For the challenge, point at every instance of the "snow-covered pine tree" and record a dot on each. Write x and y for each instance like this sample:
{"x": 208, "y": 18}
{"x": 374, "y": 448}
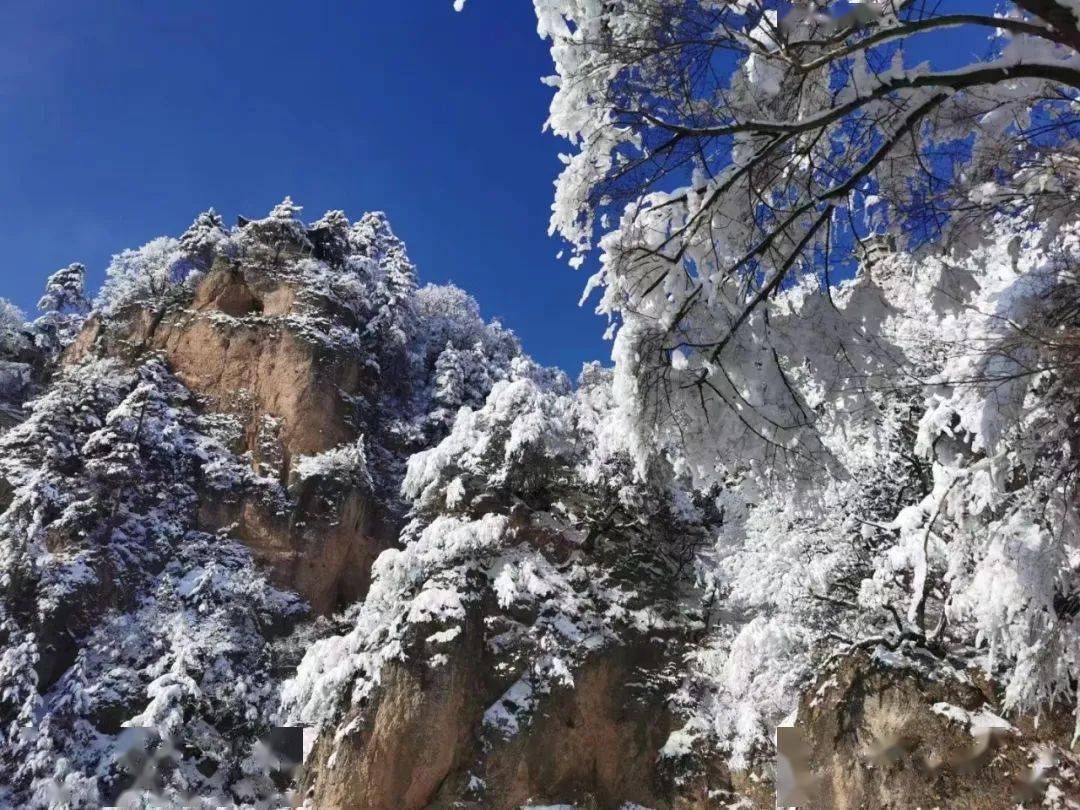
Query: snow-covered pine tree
{"x": 16, "y": 374}
{"x": 116, "y": 612}
{"x": 63, "y": 306}
{"x": 65, "y": 291}
{"x": 201, "y": 242}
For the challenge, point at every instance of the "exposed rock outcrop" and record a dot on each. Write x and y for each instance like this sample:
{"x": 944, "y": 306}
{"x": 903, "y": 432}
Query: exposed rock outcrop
{"x": 244, "y": 346}
{"x": 415, "y": 737}
{"x": 872, "y": 733}
{"x": 890, "y": 734}
{"x": 596, "y": 742}
{"x": 423, "y": 741}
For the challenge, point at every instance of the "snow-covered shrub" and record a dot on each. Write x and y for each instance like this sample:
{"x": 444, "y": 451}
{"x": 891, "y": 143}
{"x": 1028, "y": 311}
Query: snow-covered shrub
{"x": 345, "y": 465}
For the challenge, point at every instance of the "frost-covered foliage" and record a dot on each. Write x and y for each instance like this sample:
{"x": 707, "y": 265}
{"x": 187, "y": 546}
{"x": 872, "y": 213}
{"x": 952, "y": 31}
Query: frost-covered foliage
{"x": 786, "y": 585}
{"x": 529, "y": 523}
{"x": 63, "y": 306}
{"x": 204, "y": 239}
{"x": 163, "y": 270}
{"x": 15, "y": 373}
{"x": 141, "y": 276}
{"x": 952, "y": 529}
{"x": 896, "y": 451}
{"x": 466, "y": 355}
{"x": 997, "y": 539}
{"x": 12, "y": 326}
{"x": 15, "y": 333}
{"x": 115, "y": 613}
{"x": 65, "y": 291}
{"x": 28, "y": 351}
{"x": 723, "y": 152}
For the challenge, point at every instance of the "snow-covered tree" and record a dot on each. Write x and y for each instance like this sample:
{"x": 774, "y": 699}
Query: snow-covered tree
{"x": 465, "y": 354}
{"x": 116, "y": 614}
{"x": 16, "y": 339}
{"x": 142, "y": 276}
{"x": 330, "y": 235}
{"x": 529, "y": 511}
{"x": 723, "y": 150}
{"x": 203, "y": 239}
{"x": 372, "y": 238}
{"x": 286, "y": 211}
{"x": 65, "y": 291}
{"x": 63, "y": 306}
{"x": 12, "y": 328}
{"x": 275, "y": 241}
{"x": 994, "y": 544}
{"x": 950, "y": 540}
{"x": 449, "y": 379}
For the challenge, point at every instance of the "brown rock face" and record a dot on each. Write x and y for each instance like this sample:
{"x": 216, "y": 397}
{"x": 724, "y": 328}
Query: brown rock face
{"x": 419, "y": 735}
{"x": 876, "y": 740}
{"x": 240, "y": 347}
{"x": 323, "y": 553}
{"x": 267, "y": 371}
{"x": 422, "y": 743}
{"x": 875, "y": 737}
{"x": 595, "y": 742}
{"x": 237, "y": 347}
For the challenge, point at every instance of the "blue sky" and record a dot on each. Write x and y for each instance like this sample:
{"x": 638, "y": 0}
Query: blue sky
{"x": 122, "y": 120}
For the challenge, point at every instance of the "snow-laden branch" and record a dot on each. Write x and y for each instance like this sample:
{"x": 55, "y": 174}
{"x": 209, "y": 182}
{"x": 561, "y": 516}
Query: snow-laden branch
{"x": 962, "y": 79}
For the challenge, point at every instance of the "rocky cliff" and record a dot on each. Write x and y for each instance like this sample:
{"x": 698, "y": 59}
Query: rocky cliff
{"x": 244, "y": 347}
{"x": 271, "y": 481}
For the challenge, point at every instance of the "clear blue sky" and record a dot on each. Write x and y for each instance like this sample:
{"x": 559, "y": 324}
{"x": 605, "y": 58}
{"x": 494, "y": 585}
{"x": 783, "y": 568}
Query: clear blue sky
{"x": 122, "y": 120}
